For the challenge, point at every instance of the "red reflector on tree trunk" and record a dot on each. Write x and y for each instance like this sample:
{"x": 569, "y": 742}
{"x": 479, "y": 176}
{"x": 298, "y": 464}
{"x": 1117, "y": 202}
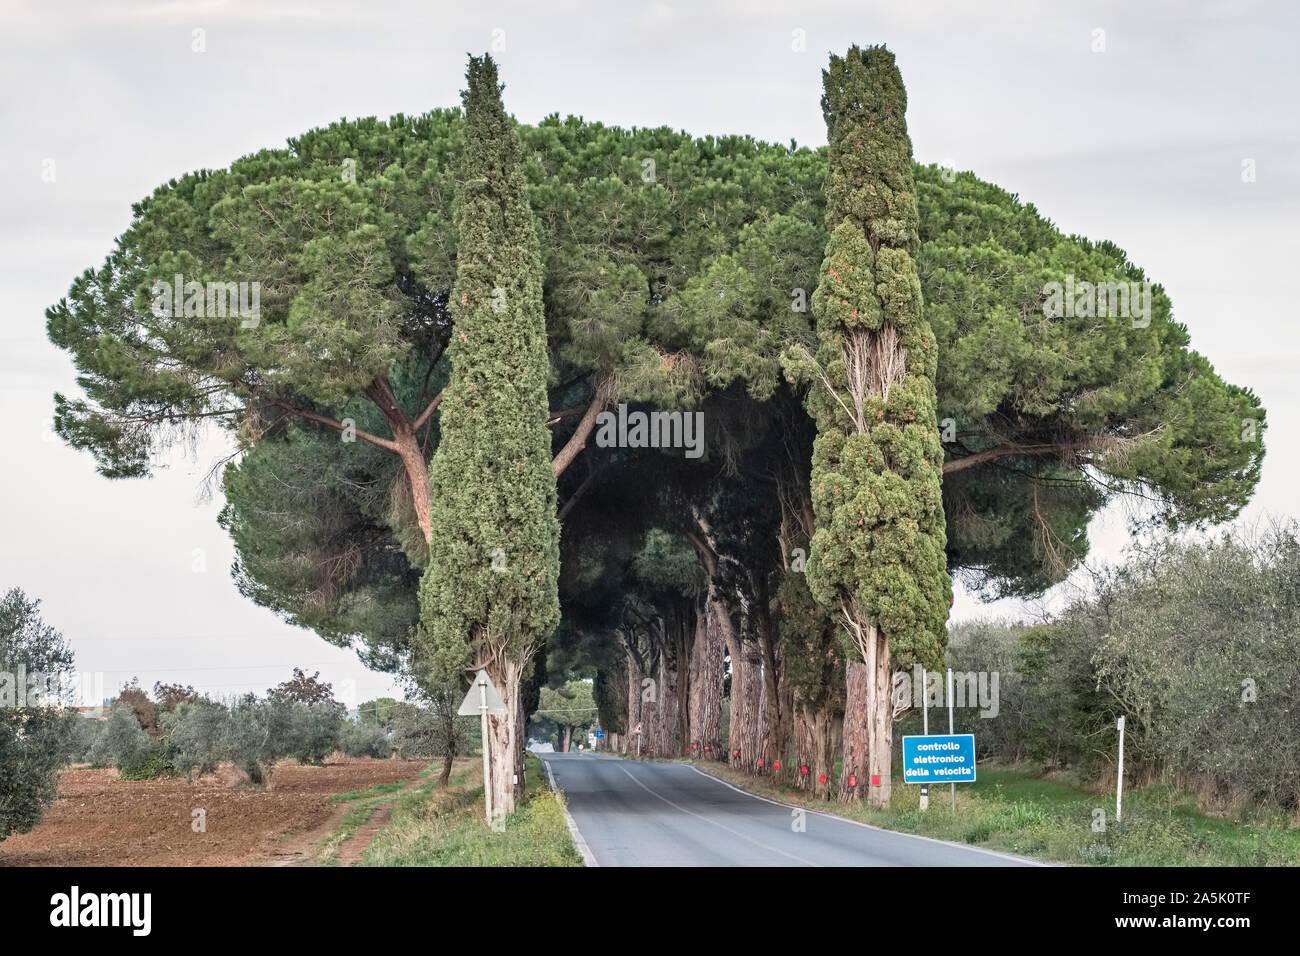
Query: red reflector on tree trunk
{"x": 853, "y": 781}
{"x": 760, "y": 763}
{"x": 776, "y": 765}
{"x": 822, "y": 778}
{"x": 875, "y": 779}
{"x": 803, "y": 770}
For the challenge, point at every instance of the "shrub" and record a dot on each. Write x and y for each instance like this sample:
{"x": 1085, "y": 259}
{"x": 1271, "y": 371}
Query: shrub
{"x": 86, "y": 733}
{"x": 151, "y": 767}
{"x": 123, "y": 743}
{"x": 35, "y": 741}
{"x": 312, "y": 731}
{"x": 365, "y": 740}
{"x": 251, "y": 744}
{"x": 197, "y": 735}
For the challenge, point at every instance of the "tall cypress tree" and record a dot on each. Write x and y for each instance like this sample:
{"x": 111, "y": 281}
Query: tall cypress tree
{"x": 877, "y": 555}
{"x": 489, "y": 596}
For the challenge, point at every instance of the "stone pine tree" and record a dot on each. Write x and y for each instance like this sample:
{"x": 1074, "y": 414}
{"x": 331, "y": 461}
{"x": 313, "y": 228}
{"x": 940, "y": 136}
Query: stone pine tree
{"x": 489, "y": 596}
{"x": 877, "y": 555}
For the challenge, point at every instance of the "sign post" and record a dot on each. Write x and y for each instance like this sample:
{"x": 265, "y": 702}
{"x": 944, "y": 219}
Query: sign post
{"x": 935, "y": 758}
{"x": 1119, "y": 777}
{"x": 925, "y": 729}
{"x": 954, "y": 786}
{"x": 483, "y": 699}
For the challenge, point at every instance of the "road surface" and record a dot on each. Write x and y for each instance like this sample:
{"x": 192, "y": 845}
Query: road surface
{"x": 669, "y": 814}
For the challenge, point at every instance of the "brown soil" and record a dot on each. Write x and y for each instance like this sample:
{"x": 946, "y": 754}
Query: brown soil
{"x": 101, "y": 820}
{"x": 353, "y": 849}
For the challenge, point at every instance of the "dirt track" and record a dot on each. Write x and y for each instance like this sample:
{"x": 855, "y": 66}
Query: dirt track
{"x": 100, "y": 820}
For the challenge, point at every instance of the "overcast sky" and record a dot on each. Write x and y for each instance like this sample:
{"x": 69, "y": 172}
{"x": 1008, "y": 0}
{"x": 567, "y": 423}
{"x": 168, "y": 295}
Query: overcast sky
{"x": 1141, "y": 143}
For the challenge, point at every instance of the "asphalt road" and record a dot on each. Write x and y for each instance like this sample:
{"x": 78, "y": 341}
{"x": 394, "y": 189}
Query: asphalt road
{"x": 669, "y": 814}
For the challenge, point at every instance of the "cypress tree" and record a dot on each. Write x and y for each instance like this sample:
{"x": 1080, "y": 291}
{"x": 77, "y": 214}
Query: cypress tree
{"x": 877, "y": 555}
{"x": 489, "y": 596}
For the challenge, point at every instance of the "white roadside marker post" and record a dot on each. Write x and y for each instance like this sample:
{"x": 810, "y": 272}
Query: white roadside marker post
{"x": 483, "y": 729}
{"x": 1119, "y": 777}
{"x": 489, "y": 702}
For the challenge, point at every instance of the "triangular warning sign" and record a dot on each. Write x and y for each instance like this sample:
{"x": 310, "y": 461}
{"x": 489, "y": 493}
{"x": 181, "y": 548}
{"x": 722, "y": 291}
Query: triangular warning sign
{"x": 482, "y": 691}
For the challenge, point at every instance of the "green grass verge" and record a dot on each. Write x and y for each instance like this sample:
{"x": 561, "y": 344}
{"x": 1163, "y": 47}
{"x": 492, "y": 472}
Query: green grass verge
{"x": 1014, "y": 809}
{"x": 433, "y": 826}
{"x": 377, "y": 790}
{"x": 353, "y": 820}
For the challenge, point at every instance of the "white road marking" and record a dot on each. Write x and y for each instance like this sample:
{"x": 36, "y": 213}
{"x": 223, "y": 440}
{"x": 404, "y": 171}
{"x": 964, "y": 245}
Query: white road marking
{"x": 720, "y": 826}
{"x": 856, "y": 823}
{"x": 579, "y": 842}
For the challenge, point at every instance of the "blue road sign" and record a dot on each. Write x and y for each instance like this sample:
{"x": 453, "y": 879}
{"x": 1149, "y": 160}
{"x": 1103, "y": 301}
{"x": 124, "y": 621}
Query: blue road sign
{"x": 939, "y": 758}
{"x": 600, "y": 734}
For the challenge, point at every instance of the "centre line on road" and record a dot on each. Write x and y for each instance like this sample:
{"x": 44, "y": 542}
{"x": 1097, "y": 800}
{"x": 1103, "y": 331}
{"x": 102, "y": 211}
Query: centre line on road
{"x": 720, "y": 826}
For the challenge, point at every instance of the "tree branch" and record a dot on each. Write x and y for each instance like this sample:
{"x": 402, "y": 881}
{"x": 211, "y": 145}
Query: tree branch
{"x": 1014, "y": 448}
{"x": 326, "y": 420}
{"x": 428, "y": 411}
{"x": 606, "y": 392}
{"x": 578, "y": 493}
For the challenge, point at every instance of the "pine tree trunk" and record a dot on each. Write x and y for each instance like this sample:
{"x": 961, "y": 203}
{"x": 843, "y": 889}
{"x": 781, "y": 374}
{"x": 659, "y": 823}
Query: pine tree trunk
{"x": 568, "y": 738}
{"x": 408, "y": 450}
{"x": 706, "y": 687}
{"x": 803, "y": 747}
{"x": 682, "y": 635}
{"x": 665, "y": 705}
{"x": 818, "y": 743}
{"x": 857, "y": 686}
{"x": 754, "y": 710}
{"x": 635, "y": 715}
{"x": 776, "y": 698}
{"x": 825, "y": 744}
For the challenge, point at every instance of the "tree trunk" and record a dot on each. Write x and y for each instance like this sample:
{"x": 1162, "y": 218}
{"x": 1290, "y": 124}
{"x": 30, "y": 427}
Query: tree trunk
{"x": 407, "y": 446}
{"x": 684, "y": 631}
{"x": 505, "y": 742}
{"x": 822, "y": 743}
{"x": 606, "y": 391}
{"x": 635, "y": 712}
{"x": 776, "y": 695}
{"x": 747, "y": 715}
{"x": 856, "y": 731}
{"x": 568, "y": 738}
{"x": 665, "y": 704}
{"x": 447, "y": 758}
{"x": 882, "y": 728}
{"x": 706, "y": 686}
{"x": 868, "y": 724}
{"x": 417, "y": 473}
